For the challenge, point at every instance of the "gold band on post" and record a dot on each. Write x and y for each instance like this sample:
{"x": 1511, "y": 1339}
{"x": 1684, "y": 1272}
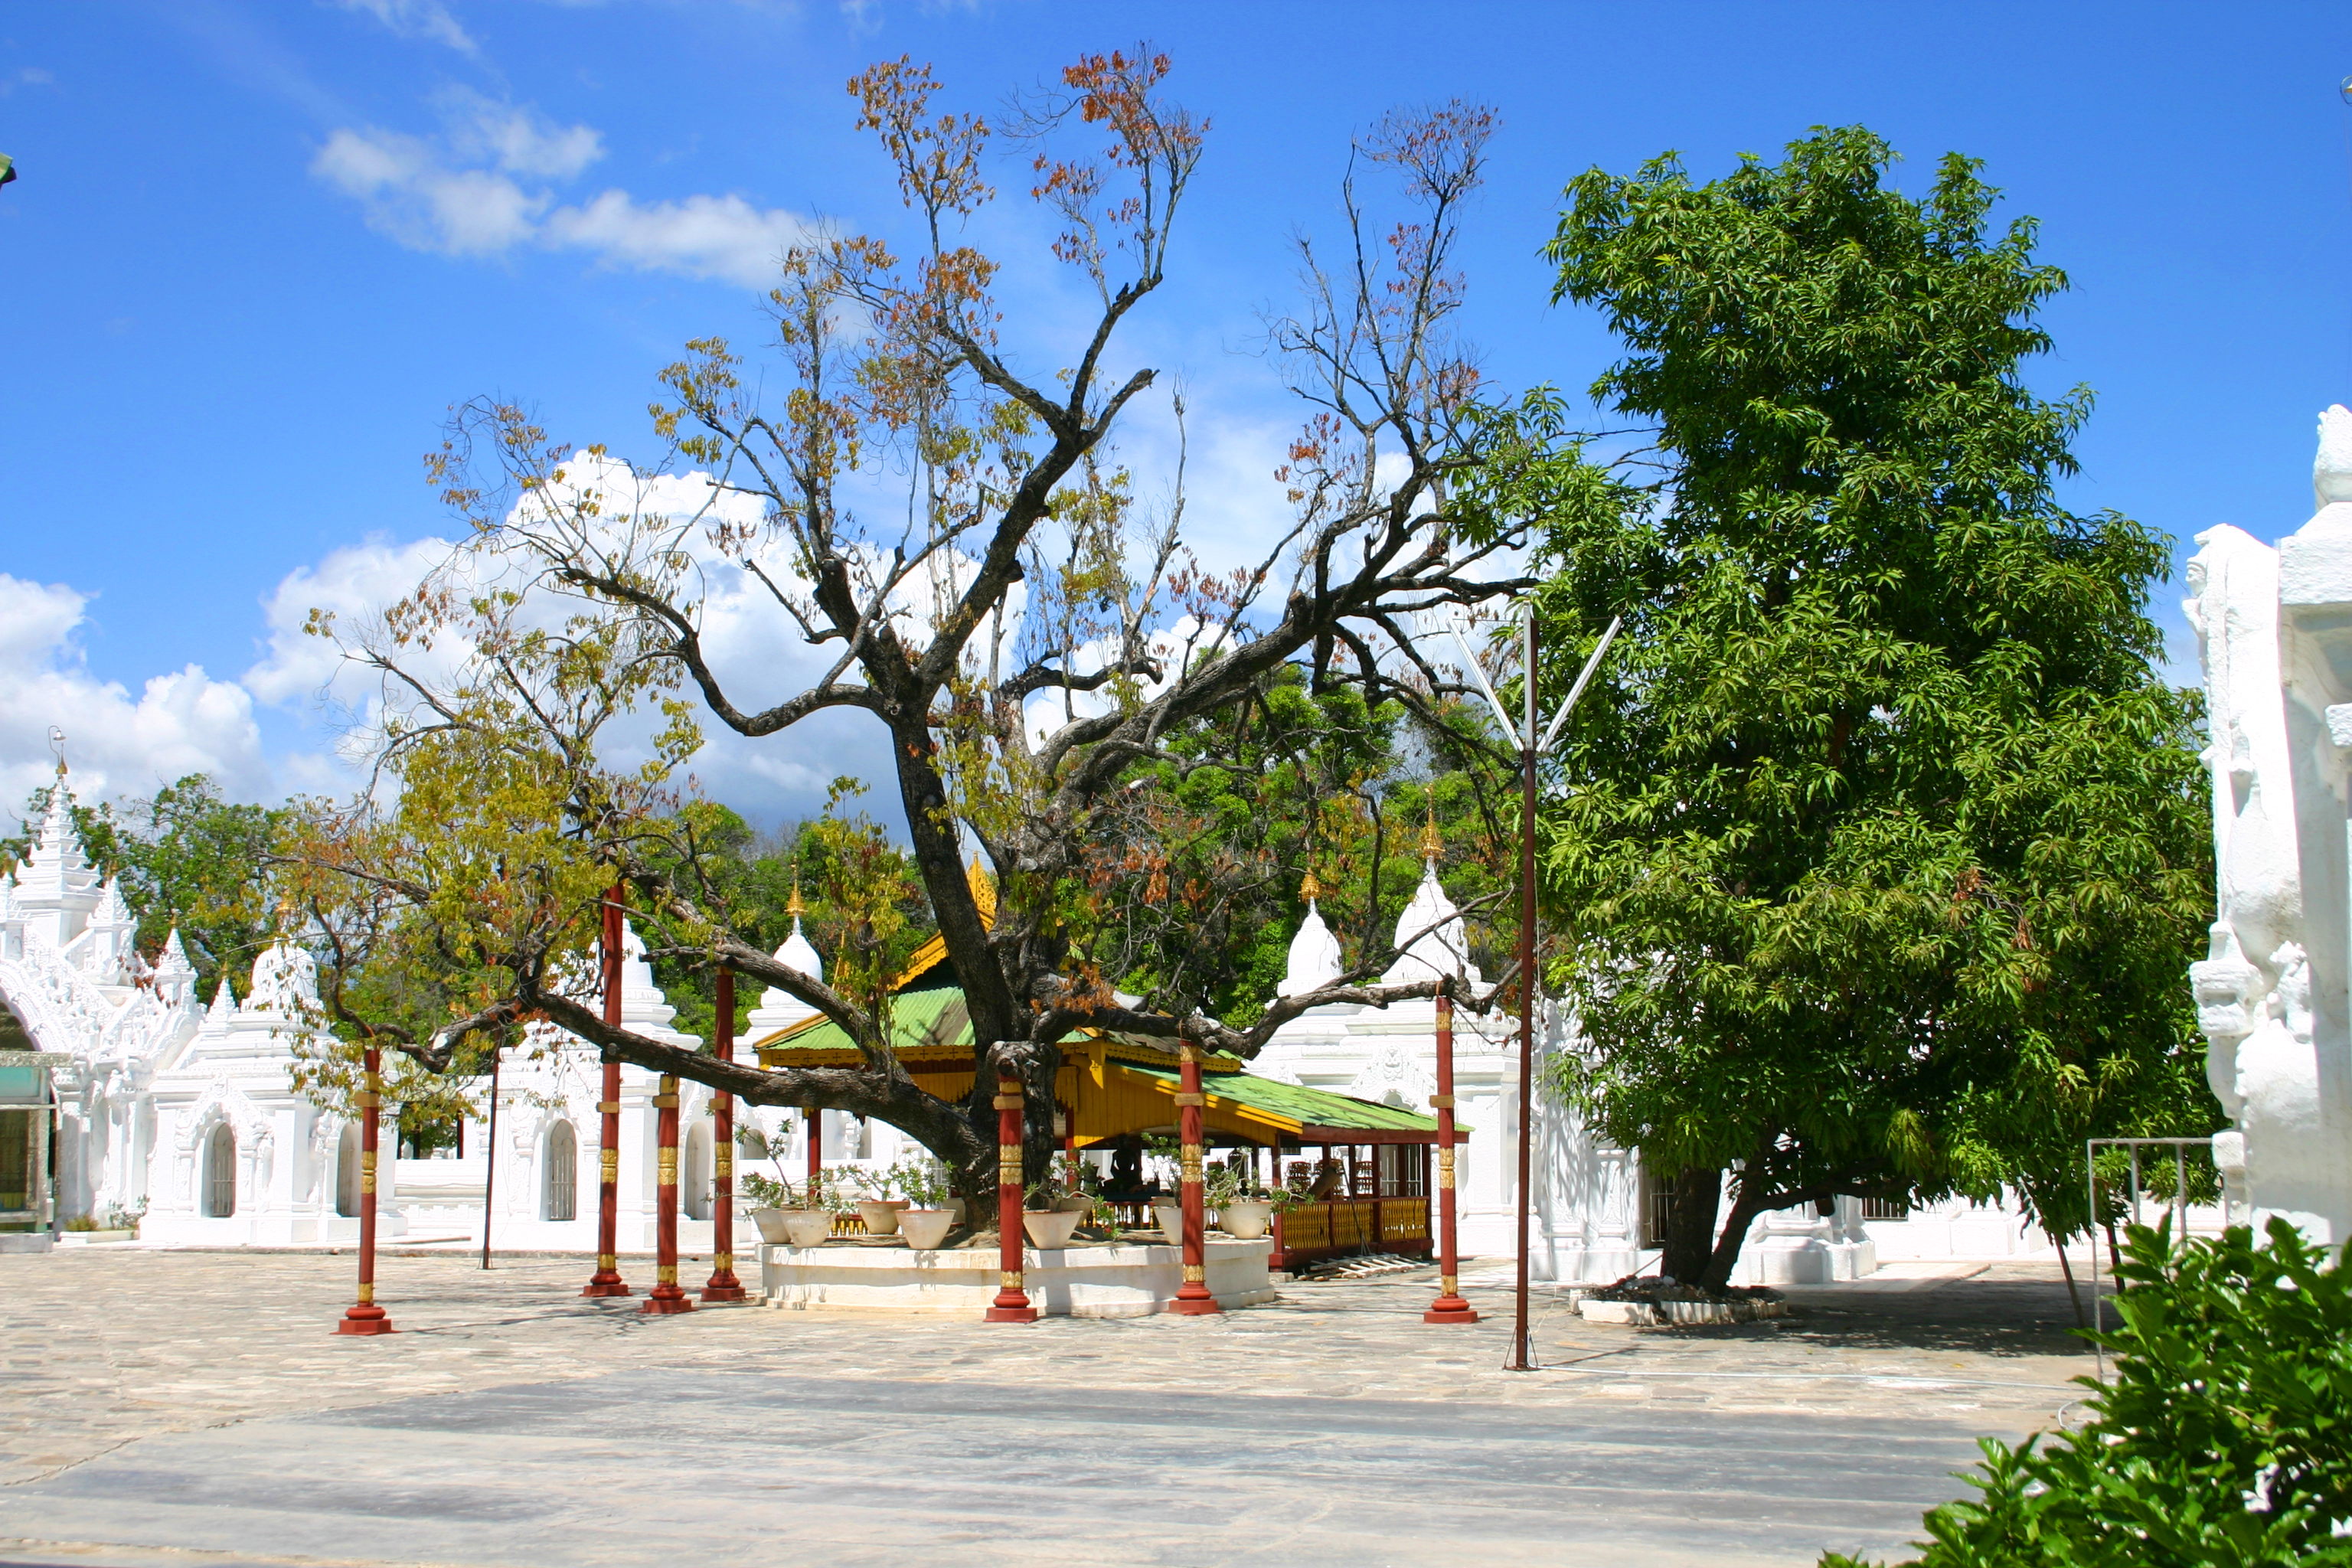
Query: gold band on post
{"x": 1441, "y": 1102}
{"x": 1010, "y": 1279}
{"x": 667, "y": 1168}
{"x": 1012, "y": 1102}
{"x": 1446, "y": 1168}
{"x": 722, "y": 1162}
{"x": 367, "y": 1295}
{"x": 1190, "y": 1098}
{"x": 1447, "y": 1284}
{"x": 667, "y": 1274}
{"x": 606, "y": 1260}
{"x": 1194, "y": 1273}
{"x": 723, "y": 1261}
{"x": 1192, "y": 1162}
{"x": 608, "y": 1108}
{"x": 610, "y": 1160}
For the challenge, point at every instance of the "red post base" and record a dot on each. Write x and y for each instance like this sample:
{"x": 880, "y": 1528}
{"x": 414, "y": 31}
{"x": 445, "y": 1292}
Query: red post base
{"x": 365, "y": 1319}
{"x": 1449, "y": 1309}
{"x": 1199, "y": 1306}
{"x": 605, "y": 1283}
{"x": 1011, "y": 1306}
{"x": 728, "y": 1288}
{"x": 666, "y": 1299}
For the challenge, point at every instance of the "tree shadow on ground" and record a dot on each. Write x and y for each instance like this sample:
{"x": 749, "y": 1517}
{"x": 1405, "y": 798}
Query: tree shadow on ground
{"x": 1980, "y": 1316}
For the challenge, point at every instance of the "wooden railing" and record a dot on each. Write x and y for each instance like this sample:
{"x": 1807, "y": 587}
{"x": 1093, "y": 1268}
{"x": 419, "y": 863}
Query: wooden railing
{"x": 1344, "y": 1228}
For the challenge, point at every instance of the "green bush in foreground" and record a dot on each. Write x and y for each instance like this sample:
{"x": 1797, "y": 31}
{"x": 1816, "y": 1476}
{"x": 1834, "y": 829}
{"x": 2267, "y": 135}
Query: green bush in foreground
{"x": 2224, "y": 1436}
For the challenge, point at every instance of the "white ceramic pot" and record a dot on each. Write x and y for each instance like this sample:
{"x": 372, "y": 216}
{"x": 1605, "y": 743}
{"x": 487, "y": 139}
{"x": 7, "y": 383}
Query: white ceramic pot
{"x": 1172, "y": 1218}
{"x": 1049, "y": 1228}
{"x": 807, "y": 1227}
{"x": 772, "y": 1225}
{"x": 926, "y": 1229}
{"x": 1246, "y": 1221}
{"x": 881, "y": 1216}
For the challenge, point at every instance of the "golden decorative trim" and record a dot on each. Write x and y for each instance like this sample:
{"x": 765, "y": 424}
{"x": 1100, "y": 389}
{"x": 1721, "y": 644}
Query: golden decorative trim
{"x": 1445, "y": 1169}
{"x": 610, "y": 1159}
{"x": 722, "y": 1163}
{"x": 1449, "y": 1284}
{"x": 1012, "y": 1102}
{"x": 367, "y": 1295}
{"x": 607, "y": 1261}
{"x": 1189, "y": 1100}
{"x": 665, "y": 1168}
{"x": 666, "y": 1102}
{"x": 1010, "y": 1279}
{"x": 1191, "y": 1163}
{"x": 1441, "y": 1102}
{"x": 608, "y": 1108}
{"x": 1310, "y": 888}
{"x": 722, "y": 1262}
{"x": 367, "y": 1183}
{"x": 667, "y": 1274}
{"x": 1194, "y": 1274}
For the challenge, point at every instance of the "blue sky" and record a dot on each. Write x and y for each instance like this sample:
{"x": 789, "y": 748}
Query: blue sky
{"x": 238, "y": 316}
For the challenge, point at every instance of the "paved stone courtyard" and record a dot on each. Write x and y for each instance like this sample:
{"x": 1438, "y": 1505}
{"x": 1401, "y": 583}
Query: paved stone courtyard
{"x": 186, "y": 1407}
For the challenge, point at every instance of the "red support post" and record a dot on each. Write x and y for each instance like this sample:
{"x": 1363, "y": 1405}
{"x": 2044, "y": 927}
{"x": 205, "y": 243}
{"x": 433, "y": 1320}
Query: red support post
{"x": 723, "y": 1285}
{"x": 1012, "y": 1304}
{"x": 1449, "y": 1306}
{"x": 816, "y": 1145}
{"x": 666, "y": 1296}
{"x": 606, "y": 1280}
{"x": 364, "y": 1317}
{"x": 1192, "y": 1298}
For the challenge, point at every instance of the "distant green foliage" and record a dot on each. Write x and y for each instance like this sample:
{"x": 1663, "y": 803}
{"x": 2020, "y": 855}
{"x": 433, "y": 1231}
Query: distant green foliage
{"x": 1196, "y": 893}
{"x": 2225, "y": 1436}
{"x": 1885, "y": 849}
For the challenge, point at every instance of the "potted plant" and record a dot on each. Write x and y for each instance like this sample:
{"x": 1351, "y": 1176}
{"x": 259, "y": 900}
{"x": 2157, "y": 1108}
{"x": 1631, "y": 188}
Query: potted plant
{"x": 787, "y": 1215}
{"x": 880, "y": 1205}
{"x": 1069, "y": 1176}
{"x": 1242, "y": 1212}
{"x": 1049, "y": 1225}
{"x": 926, "y": 1222}
{"x": 1168, "y": 1207}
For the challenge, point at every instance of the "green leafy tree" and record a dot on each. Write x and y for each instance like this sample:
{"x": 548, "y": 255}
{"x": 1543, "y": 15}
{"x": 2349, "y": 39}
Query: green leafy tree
{"x": 1884, "y": 848}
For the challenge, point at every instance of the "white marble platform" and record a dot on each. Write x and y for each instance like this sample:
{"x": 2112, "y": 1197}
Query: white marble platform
{"x": 1129, "y": 1281}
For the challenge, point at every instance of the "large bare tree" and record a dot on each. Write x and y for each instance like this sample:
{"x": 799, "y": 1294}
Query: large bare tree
{"x": 952, "y": 530}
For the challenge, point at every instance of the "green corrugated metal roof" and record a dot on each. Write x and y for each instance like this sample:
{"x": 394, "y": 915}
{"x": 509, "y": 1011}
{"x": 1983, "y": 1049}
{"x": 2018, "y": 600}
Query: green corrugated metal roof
{"x": 1310, "y": 1107}
{"x": 932, "y": 1016}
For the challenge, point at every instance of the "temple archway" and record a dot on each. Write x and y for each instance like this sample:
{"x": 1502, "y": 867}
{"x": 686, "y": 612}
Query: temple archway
{"x": 220, "y": 1172}
{"x": 693, "y": 1172}
{"x": 347, "y": 1172}
{"x": 560, "y": 1192}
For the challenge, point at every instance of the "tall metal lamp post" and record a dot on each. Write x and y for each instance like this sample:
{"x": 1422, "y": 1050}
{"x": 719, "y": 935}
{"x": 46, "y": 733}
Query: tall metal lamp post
{"x": 1533, "y": 744}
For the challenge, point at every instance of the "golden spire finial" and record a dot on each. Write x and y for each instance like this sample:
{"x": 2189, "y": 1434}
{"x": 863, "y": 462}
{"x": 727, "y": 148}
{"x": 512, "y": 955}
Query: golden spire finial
{"x": 792, "y": 906}
{"x": 1433, "y": 847}
{"x": 1310, "y": 888}
{"x": 983, "y": 888}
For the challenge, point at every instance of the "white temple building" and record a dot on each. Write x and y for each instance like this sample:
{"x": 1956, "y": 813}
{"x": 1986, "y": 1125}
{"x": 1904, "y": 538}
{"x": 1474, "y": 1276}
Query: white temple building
{"x": 2274, "y": 991}
{"x": 186, "y": 1116}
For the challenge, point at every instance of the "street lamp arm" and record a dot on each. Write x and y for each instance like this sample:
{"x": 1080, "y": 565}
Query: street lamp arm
{"x": 1577, "y": 691}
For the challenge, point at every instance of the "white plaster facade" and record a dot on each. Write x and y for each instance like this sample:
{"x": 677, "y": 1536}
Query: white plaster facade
{"x": 2275, "y": 627}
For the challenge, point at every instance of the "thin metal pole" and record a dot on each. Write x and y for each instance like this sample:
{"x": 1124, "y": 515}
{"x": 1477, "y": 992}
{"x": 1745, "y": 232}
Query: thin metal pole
{"x": 490, "y": 1156}
{"x": 1520, "y": 1360}
{"x": 2091, "y": 1235}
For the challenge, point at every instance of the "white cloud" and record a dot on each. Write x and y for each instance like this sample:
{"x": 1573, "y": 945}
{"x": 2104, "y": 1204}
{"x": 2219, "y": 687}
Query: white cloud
{"x": 427, "y": 19}
{"x": 180, "y": 723}
{"x": 724, "y": 238}
{"x": 476, "y": 189}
